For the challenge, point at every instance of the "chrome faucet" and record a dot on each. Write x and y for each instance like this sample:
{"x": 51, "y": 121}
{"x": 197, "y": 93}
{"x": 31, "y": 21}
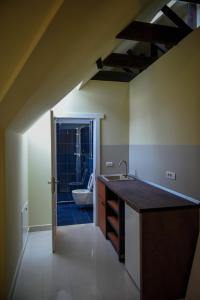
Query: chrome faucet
{"x": 124, "y": 162}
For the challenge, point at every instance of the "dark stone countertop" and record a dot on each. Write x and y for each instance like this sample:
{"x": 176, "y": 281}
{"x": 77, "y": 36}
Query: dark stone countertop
{"x": 144, "y": 197}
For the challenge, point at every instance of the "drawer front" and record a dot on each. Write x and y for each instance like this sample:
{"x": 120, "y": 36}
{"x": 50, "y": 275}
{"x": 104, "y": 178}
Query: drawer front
{"x": 101, "y": 189}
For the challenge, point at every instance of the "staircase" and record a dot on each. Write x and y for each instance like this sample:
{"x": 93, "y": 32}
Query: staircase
{"x": 152, "y": 39}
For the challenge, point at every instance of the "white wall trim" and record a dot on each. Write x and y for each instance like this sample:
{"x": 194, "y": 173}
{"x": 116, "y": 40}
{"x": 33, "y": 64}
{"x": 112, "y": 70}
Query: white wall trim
{"x": 96, "y": 117}
{"x": 96, "y": 168}
{"x": 170, "y": 191}
{"x": 24, "y": 206}
{"x": 14, "y": 281}
{"x": 80, "y": 115}
{"x": 40, "y": 227}
{"x": 24, "y": 210}
{"x": 72, "y": 121}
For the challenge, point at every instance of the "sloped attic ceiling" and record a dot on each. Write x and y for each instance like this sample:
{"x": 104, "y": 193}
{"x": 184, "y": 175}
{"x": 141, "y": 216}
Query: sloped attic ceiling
{"x": 73, "y": 36}
{"x": 22, "y": 24}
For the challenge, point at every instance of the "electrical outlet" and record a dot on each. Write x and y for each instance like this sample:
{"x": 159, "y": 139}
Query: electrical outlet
{"x": 109, "y": 164}
{"x": 170, "y": 175}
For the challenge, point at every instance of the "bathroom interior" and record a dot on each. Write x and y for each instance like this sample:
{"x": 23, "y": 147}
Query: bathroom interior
{"x": 74, "y": 152}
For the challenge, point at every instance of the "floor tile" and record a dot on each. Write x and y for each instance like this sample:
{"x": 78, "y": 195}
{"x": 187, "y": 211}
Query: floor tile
{"x": 71, "y": 214}
{"x": 84, "y": 267}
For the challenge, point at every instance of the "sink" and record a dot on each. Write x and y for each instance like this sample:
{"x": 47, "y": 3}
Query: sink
{"x": 116, "y": 177}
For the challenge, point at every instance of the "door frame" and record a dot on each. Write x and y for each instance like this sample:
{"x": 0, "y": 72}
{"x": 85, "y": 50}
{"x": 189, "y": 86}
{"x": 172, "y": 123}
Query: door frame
{"x": 96, "y": 117}
{"x": 53, "y": 180}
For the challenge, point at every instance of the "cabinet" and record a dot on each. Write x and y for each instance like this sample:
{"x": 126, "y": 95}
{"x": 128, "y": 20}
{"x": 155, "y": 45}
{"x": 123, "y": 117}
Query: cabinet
{"x": 111, "y": 218}
{"x": 101, "y": 206}
{"x": 159, "y": 250}
{"x": 115, "y": 222}
{"x": 154, "y": 232}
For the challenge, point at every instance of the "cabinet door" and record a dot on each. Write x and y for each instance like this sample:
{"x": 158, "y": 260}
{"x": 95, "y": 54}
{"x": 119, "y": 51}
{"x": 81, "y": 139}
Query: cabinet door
{"x": 102, "y": 214}
{"x": 132, "y": 243}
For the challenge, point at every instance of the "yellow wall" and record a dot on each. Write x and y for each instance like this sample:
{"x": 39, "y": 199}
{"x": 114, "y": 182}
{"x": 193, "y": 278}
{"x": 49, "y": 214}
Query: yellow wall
{"x": 2, "y": 216}
{"x": 39, "y": 171}
{"x": 165, "y": 99}
{"x": 16, "y": 197}
{"x": 13, "y": 195}
{"x": 22, "y": 25}
{"x": 164, "y": 119}
{"x": 77, "y": 36}
{"x": 110, "y": 98}
{"x": 95, "y": 97}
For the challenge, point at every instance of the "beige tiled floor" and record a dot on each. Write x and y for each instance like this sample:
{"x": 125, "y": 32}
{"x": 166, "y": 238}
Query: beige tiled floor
{"x": 85, "y": 267}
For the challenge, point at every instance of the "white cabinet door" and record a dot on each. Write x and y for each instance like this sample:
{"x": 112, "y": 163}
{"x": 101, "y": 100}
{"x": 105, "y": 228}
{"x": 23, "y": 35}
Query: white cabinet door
{"x": 132, "y": 243}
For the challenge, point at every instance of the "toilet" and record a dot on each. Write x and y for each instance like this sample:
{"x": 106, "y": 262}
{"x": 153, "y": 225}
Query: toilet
{"x": 84, "y": 196}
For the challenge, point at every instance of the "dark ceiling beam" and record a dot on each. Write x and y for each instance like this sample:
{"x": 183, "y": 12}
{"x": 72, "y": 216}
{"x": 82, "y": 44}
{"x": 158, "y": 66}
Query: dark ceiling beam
{"x": 128, "y": 61}
{"x": 130, "y": 52}
{"x": 191, "y": 1}
{"x": 99, "y": 63}
{"x": 114, "y": 76}
{"x": 127, "y": 70}
{"x": 153, "y": 33}
{"x": 175, "y": 18}
{"x": 161, "y": 48}
{"x": 154, "y": 51}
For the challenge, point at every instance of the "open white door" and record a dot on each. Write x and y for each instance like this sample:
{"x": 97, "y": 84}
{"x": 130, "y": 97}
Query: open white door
{"x": 53, "y": 181}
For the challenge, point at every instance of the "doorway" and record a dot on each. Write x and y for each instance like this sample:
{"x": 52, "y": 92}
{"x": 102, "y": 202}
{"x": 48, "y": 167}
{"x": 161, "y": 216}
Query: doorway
{"x": 74, "y": 157}
{"x": 95, "y": 118}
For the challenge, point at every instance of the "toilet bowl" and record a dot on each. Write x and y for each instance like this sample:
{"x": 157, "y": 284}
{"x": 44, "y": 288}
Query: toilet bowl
{"x": 84, "y": 196}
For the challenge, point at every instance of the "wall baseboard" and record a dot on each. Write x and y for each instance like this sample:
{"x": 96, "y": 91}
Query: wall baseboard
{"x": 14, "y": 281}
{"x": 40, "y": 227}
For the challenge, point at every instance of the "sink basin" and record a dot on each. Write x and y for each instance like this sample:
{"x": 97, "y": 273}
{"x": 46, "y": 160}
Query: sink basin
{"x": 116, "y": 177}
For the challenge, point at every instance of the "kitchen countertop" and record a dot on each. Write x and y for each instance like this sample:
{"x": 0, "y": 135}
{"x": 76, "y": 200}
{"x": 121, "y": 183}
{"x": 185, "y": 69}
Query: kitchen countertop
{"x": 145, "y": 197}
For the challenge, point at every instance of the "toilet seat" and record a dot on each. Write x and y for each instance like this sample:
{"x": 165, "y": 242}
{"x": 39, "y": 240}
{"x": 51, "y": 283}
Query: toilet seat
{"x": 81, "y": 191}
{"x": 84, "y": 196}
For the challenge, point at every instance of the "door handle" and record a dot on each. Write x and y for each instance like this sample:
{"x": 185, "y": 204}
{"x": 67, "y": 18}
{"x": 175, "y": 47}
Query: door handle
{"x": 53, "y": 183}
{"x": 56, "y": 181}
